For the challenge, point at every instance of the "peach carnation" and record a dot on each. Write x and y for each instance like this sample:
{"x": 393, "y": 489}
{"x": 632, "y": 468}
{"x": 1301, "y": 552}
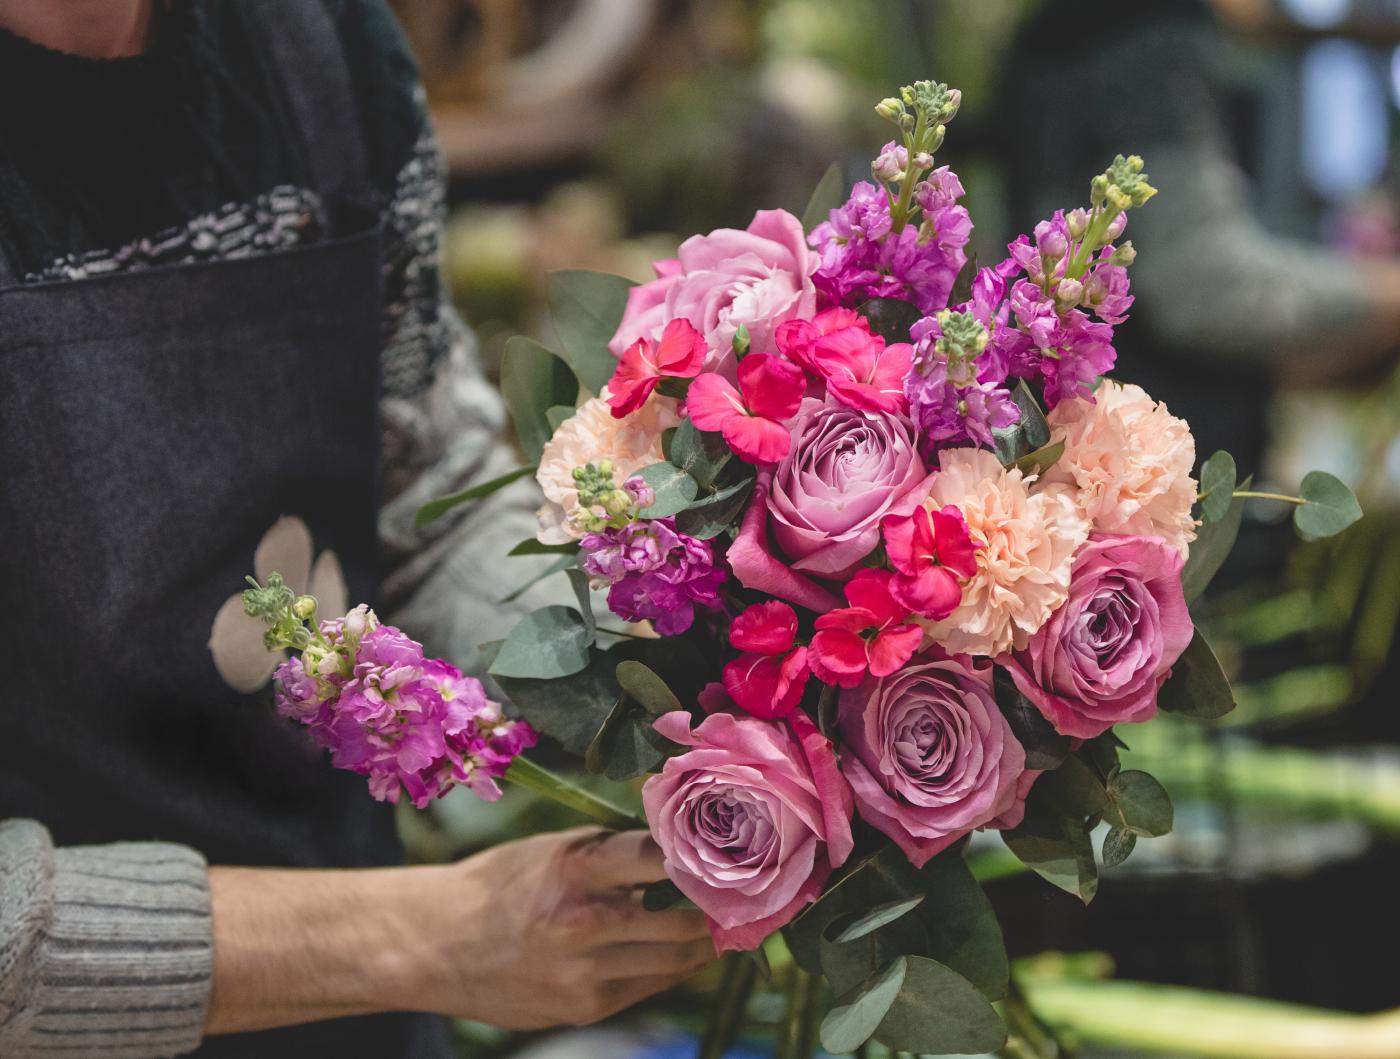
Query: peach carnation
{"x": 590, "y": 436}
{"x": 1025, "y": 544}
{"x": 1128, "y": 462}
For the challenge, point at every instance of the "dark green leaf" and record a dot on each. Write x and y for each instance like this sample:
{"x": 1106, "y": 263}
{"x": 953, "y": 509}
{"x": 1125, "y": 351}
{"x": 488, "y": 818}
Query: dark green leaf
{"x": 547, "y": 643}
{"x": 760, "y": 961}
{"x": 856, "y": 1016}
{"x": 962, "y": 928}
{"x": 622, "y": 748}
{"x": 562, "y": 562}
{"x": 1072, "y": 789}
{"x": 661, "y": 895}
{"x": 1045, "y": 748}
{"x": 587, "y": 307}
{"x": 1198, "y": 686}
{"x": 443, "y": 504}
{"x": 880, "y": 878}
{"x": 701, "y": 454}
{"x": 647, "y": 688}
{"x": 1101, "y": 754}
{"x": 712, "y": 515}
{"x": 1211, "y": 547}
{"x": 1217, "y": 489}
{"x": 890, "y": 318}
{"x": 1117, "y": 846}
{"x": 962, "y": 285}
{"x": 530, "y": 546}
{"x": 1140, "y": 804}
{"x": 1031, "y": 432}
{"x": 557, "y": 415}
{"x": 829, "y": 193}
{"x": 848, "y": 928}
{"x": 827, "y": 702}
{"x": 1041, "y": 460}
{"x": 671, "y": 386}
{"x": 937, "y": 1011}
{"x": 534, "y": 380}
{"x": 1056, "y": 847}
{"x": 578, "y": 580}
{"x": 1330, "y": 506}
{"x": 674, "y": 489}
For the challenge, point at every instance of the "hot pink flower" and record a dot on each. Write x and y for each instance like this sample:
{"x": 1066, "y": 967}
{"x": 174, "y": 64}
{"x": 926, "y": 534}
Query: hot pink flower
{"x": 872, "y": 635}
{"x": 932, "y": 553}
{"x": 752, "y": 819}
{"x": 767, "y": 680}
{"x": 860, "y": 370}
{"x": 680, "y": 354}
{"x": 751, "y": 417}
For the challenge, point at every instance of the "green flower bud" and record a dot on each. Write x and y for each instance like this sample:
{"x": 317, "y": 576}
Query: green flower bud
{"x": 304, "y": 607}
{"x": 741, "y": 341}
{"x": 1125, "y": 254}
{"x": 890, "y": 109}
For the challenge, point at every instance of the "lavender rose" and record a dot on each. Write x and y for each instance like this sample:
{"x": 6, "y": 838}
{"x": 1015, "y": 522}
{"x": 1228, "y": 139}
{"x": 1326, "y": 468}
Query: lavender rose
{"x": 752, "y": 819}
{"x": 846, "y": 471}
{"x": 1102, "y": 656}
{"x": 930, "y": 757}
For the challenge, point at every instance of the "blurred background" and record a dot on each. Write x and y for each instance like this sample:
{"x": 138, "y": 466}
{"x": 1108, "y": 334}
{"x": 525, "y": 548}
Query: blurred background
{"x": 595, "y": 133}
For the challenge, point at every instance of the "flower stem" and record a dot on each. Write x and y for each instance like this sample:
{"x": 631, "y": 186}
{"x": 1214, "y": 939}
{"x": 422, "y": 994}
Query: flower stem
{"x": 1029, "y": 1037}
{"x": 797, "y": 1037}
{"x": 527, "y": 774}
{"x": 1281, "y": 497}
{"x": 739, "y": 974}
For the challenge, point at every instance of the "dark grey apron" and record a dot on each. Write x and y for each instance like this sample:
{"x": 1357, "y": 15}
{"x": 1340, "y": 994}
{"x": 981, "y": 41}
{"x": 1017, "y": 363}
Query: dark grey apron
{"x": 153, "y": 426}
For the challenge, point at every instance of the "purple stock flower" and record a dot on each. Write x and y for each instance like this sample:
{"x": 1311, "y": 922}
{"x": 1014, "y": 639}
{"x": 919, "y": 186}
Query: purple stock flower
{"x": 655, "y": 574}
{"x": 961, "y": 397}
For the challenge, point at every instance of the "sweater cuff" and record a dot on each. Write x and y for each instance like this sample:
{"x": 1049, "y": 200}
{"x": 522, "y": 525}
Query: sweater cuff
{"x": 127, "y": 960}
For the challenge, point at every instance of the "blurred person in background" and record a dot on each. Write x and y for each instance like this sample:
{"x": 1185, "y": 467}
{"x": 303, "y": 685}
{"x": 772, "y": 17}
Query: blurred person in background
{"x": 1219, "y": 297}
{"x": 223, "y": 337}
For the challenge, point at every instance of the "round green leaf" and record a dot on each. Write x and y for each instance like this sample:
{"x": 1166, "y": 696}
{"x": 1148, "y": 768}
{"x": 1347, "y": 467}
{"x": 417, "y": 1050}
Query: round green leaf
{"x": 856, "y": 1016}
{"x": 534, "y": 380}
{"x": 1329, "y": 506}
{"x": 1218, "y": 477}
{"x": 850, "y": 928}
{"x": 673, "y": 487}
{"x": 547, "y": 643}
{"x": 645, "y": 686}
{"x": 1140, "y": 804}
{"x": 1198, "y": 686}
{"x": 1117, "y": 845}
{"x": 587, "y": 307}
{"x": 938, "y": 1011}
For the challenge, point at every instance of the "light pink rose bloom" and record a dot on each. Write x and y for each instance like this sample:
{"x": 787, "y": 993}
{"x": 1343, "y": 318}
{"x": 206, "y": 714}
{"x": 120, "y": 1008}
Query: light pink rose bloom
{"x": 930, "y": 756}
{"x": 752, "y": 819}
{"x": 1101, "y": 658}
{"x": 758, "y": 277}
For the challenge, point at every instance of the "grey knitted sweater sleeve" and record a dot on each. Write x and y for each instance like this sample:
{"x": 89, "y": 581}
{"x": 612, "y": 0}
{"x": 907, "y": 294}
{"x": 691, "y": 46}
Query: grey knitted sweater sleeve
{"x": 104, "y": 950}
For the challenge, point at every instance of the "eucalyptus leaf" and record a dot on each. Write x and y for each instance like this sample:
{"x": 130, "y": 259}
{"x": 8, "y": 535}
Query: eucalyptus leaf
{"x": 534, "y": 380}
{"x": 1140, "y": 804}
{"x": 1045, "y": 748}
{"x": 587, "y": 308}
{"x": 1072, "y": 789}
{"x": 1329, "y": 506}
{"x": 530, "y": 546}
{"x": 437, "y": 508}
{"x": 1211, "y": 548}
{"x": 938, "y": 1012}
{"x": 962, "y": 929}
{"x": 647, "y": 688}
{"x": 1118, "y": 845}
{"x": 1030, "y": 432}
{"x": 829, "y": 193}
{"x": 673, "y": 487}
{"x": 849, "y": 929}
{"x": 891, "y": 318}
{"x": 855, "y": 1016}
{"x": 701, "y": 454}
{"x": 578, "y": 580}
{"x": 1041, "y": 460}
{"x": 1217, "y": 489}
{"x": 1197, "y": 686}
{"x": 558, "y": 415}
{"x": 712, "y": 515}
{"x": 546, "y": 644}
{"x": 562, "y": 562}
{"x": 1056, "y": 847}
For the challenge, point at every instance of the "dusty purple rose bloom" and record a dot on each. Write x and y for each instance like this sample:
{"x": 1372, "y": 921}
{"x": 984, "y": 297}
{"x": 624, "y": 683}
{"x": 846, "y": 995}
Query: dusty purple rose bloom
{"x": 845, "y": 472}
{"x": 655, "y": 574}
{"x": 1102, "y": 656}
{"x": 930, "y": 756}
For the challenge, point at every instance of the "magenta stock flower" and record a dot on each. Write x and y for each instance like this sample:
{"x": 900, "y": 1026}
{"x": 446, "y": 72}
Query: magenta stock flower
{"x": 767, "y": 680}
{"x": 679, "y": 353}
{"x": 960, "y": 395}
{"x": 655, "y": 574}
{"x": 930, "y": 756}
{"x": 932, "y": 553}
{"x": 858, "y": 368}
{"x": 752, "y": 818}
{"x": 750, "y": 418}
{"x": 873, "y": 635}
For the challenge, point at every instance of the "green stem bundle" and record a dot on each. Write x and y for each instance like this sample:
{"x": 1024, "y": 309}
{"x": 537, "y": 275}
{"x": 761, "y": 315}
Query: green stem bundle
{"x": 527, "y": 774}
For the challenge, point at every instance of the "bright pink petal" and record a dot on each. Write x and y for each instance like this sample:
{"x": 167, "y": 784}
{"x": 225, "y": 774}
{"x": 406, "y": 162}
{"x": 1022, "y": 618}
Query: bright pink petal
{"x": 955, "y": 547}
{"x": 851, "y": 619}
{"x": 753, "y": 439}
{"x": 712, "y": 401}
{"x": 893, "y": 647}
{"x": 765, "y": 628}
{"x": 933, "y": 593}
{"x": 752, "y": 682}
{"x": 636, "y": 376}
{"x": 901, "y": 544}
{"x": 837, "y": 656}
{"x": 870, "y": 590}
{"x": 794, "y": 339}
{"x": 773, "y": 388}
{"x": 681, "y": 351}
{"x": 792, "y": 680}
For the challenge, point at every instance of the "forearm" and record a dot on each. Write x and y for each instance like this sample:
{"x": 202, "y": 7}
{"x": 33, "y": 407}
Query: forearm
{"x": 295, "y": 946}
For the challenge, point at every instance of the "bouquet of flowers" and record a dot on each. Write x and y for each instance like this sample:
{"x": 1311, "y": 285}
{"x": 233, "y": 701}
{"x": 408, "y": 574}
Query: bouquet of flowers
{"x": 889, "y": 555}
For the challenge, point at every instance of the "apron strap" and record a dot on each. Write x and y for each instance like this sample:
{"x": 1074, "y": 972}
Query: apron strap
{"x": 305, "y": 48}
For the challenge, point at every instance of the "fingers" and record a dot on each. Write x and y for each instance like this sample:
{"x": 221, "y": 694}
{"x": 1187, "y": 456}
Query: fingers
{"x": 622, "y": 859}
{"x": 624, "y": 993}
{"x": 632, "y": 922}
{"x": 653, "y": 960}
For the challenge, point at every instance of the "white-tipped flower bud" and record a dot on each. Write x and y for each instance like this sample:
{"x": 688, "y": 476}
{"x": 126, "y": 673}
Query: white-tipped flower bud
{"x": 1069, "y": 292}
{"x": 890, "y": 109}
{"x": 304, "y": 607}
{"x": 1078, "y": 222}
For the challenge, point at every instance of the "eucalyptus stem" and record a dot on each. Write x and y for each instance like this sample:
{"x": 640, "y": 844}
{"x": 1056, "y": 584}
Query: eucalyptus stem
{"x": 1281, "y": 497}
{"x": 526, "y": 773}
{"x": 726, "y": 1019}
{"x": 797, "y": 1037}
{"x": 1029, "y": 1038}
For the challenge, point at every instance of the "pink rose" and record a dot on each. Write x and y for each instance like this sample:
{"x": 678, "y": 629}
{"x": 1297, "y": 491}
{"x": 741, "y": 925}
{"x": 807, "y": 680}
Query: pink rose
{"x": 752, "y": 819}
{"x": 758, "y": 278}
{"x": 1105, "y": 652}
{"x": 930, "y": 756}
{"x": 846, "y": 471}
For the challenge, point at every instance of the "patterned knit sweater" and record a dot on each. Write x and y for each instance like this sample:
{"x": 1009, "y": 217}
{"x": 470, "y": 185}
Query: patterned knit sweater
{"x": 185, "y": 154}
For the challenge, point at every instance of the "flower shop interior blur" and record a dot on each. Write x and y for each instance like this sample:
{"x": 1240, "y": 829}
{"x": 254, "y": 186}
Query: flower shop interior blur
{"x": 586, "y": 133}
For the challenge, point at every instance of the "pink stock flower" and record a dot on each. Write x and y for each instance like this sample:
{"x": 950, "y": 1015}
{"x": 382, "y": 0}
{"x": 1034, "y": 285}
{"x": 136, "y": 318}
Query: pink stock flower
{"x": 872, "y": 635}
{"x": 768, "y": 679}
{"x": 751, "y": 417}
{"x": 751, "y": 819}
{"x": 680, "y": 353}
{"x": 756, "y": 278}
{"x": 930, "y": 757}
{"x": 1103, "y": 655}
{"x": 932, "y": 553}
{"x": 859, "y": 369}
